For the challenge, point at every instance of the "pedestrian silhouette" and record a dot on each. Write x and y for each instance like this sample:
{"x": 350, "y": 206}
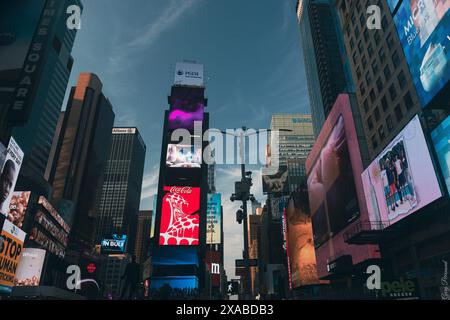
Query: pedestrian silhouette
{"x": 131, "y": 276}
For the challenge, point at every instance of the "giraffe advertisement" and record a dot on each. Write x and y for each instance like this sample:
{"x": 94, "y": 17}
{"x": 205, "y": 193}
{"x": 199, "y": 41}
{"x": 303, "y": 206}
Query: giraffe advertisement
{"x": 180, "y": 216}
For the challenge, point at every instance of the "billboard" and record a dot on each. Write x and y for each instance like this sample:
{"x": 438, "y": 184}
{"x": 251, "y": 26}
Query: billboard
{"x": 183, "y": 115}
{"x": 189, "y": 74}
{"x": 331, "y": 185}
{"x": 180, "y": 216}
{"x": 9, "y": 173}
{"x": 300, "y": 244}
{"x": 10, "y": 253}
{"x": 423, "y": 27}
{"x": 277, "y": 183}
{"x": 30, "y": 267}
{"x": 441, "y": 142}
{"x": 214, "y": 219}
{"x": 117, "y": 244}
{"x": 392, "y": 4}
{"x": 18, "y": 207}
{"x": 401, "y": 180}
{"x": 184, "y": 156}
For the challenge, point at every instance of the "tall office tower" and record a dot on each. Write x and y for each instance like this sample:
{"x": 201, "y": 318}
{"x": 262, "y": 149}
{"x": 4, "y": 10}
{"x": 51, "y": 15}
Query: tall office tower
{"x": 81, "y": 154}
{"x": 112, "y": 268}
{"x": 325, "y": 59}
{"x": 144, "y": 225}
{"x": 212, "y": 178}
{"x": 385, "y": 89}
{"x": 121, "y": 192}
{"x": 35, "y": 65}
{"x": 179, "y": 246}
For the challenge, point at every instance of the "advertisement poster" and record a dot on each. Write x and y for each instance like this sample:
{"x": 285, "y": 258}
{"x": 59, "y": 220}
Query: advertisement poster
{"x": 188, "y": 74}
{"x": 183, "y": 156}
{"x": 301, "y": 252}
{"x": 30, "y": 267}
{"x": 401, "y": 180}
{"x": 183, "y": 114}
{"x": 331, "y": 186}
{"x": 440, "y": 137}
{"x": 10, "y": 253}
{"x": 18, "y": 207}
{"x": 180, "y": 216}
{"x": 423, "y": 27}
{"x": 9, "y": 173}
{"x": 117, "y": 244}
{"x": 277, "y": 183}
{"x": 213, "y": 219}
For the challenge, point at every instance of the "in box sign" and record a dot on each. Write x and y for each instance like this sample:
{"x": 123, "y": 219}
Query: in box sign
{"x": 115, "y": 245}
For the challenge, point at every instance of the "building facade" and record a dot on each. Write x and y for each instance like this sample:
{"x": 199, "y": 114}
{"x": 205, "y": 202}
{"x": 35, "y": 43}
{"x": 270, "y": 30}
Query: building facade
{"x": 121, "y": 190}
{"x": 144, "y": 225}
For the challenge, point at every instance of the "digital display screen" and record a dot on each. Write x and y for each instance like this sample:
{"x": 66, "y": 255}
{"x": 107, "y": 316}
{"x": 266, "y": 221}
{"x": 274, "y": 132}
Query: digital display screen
{"x": 180, "y": 216}
{"x": 423, "y": 27}
{"x": 441, "y": 142}
{"x": 401, "y": 180}
{"x": 183, "y": 156}
{"x": 117, "y": 244}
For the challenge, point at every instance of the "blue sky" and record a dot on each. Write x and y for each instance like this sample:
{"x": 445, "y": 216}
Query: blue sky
{"x": 253, "y": 68}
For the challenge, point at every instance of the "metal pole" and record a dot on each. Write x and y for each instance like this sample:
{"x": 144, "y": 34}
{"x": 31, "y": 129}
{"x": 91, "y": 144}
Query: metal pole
{"x": 244, "y": 208}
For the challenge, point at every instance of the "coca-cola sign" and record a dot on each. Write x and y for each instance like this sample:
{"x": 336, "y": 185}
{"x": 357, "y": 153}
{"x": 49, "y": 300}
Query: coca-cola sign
{"x": 180, "y": 216}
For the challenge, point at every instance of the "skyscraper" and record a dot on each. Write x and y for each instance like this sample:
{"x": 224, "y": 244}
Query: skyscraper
{"x": 385, "y": 90}
{"x": 144, "y": 224}
{"x": 121, "y": 192}
{"x": 81, "y": 153}
{"x": 35, "y": 80}
{"x": 327, "y": 73}
{"x": 294, "y": 145}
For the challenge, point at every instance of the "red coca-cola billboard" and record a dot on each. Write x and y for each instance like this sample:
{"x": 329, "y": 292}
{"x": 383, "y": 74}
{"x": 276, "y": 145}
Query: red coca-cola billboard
{"x": 180, "y": 216}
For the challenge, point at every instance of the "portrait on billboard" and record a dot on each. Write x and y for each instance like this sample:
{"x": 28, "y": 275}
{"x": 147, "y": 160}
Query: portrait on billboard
{"x": 331, "y": 186}
{"x": 401, "y": 180}
{"x": 300, "y": 244}
{"x": 277, "y": 183}
{"x": 183, "y": 156}
{"x": 180, "y": 216}
{"x": 9, "y": 175}
{"x": 423, "y": 30}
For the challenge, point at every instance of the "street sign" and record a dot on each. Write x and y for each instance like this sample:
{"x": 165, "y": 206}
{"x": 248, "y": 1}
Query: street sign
{"x": 232, "y": 287}
{"x": 240, "y": 263}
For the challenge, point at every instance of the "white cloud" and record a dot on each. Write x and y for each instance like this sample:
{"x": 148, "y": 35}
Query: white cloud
{"x": 169, "y": 17}
{"x": 150, "y": 183}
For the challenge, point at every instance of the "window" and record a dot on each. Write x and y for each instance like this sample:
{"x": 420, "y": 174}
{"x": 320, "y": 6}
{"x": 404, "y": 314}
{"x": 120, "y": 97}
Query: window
{"x": 395, "y": 59}
{"x": 377, "y": 114}
{"x": 360, "y": 47}
{"x": 387, "y": 73}
{"x": 392, "y": 92}
{"x": 362, "y": 20}
{"x": 368, "y": 78}
{"x": 366, "y": 34}
{"x": 375, "y": 67}
{"x": 389, "y": 123}
{"x": 408, "y": 101}
{"x": 382, "y": 54}
{"x": 398, "y": 113}
{"x": 366, "y": 106}
{"x": 370, "y": 123}
{"x": 358, "y": 72}
{"x": 379, "y": 85}
{"x": 352, "y": 43}
{"x": 364, "y": 61}
{"x": 384, "y": 23}
{"x": 370, "y": 50}
{"x": 374, "y": 142}
{"x": 372, "y": 95}
{"x": 384, "y": 104}
{"x": 381, "y": 133}
{"x": 376, "y": 37}
{"x": 401, "y": 80}
{"x": 389, "y": 41}
{"x": 354, "y": 58}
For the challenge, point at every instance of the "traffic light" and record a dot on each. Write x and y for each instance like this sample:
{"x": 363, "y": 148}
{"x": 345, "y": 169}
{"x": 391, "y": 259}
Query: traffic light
{"x": 239, "y": 216}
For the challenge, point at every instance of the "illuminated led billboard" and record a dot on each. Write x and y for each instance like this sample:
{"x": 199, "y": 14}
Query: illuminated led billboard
{"x": 423, "y": 27}
{"x": 401, "y": 180}
{"x": 180, "y": 216}
{"x": 183, "y": 156}
{"x": 213, "y": 219}
{"x": 18, "y": 207}
{"x": 441, "y": 142}
{"x": 183, "y": 114}
{"x": 117, "y": 244}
